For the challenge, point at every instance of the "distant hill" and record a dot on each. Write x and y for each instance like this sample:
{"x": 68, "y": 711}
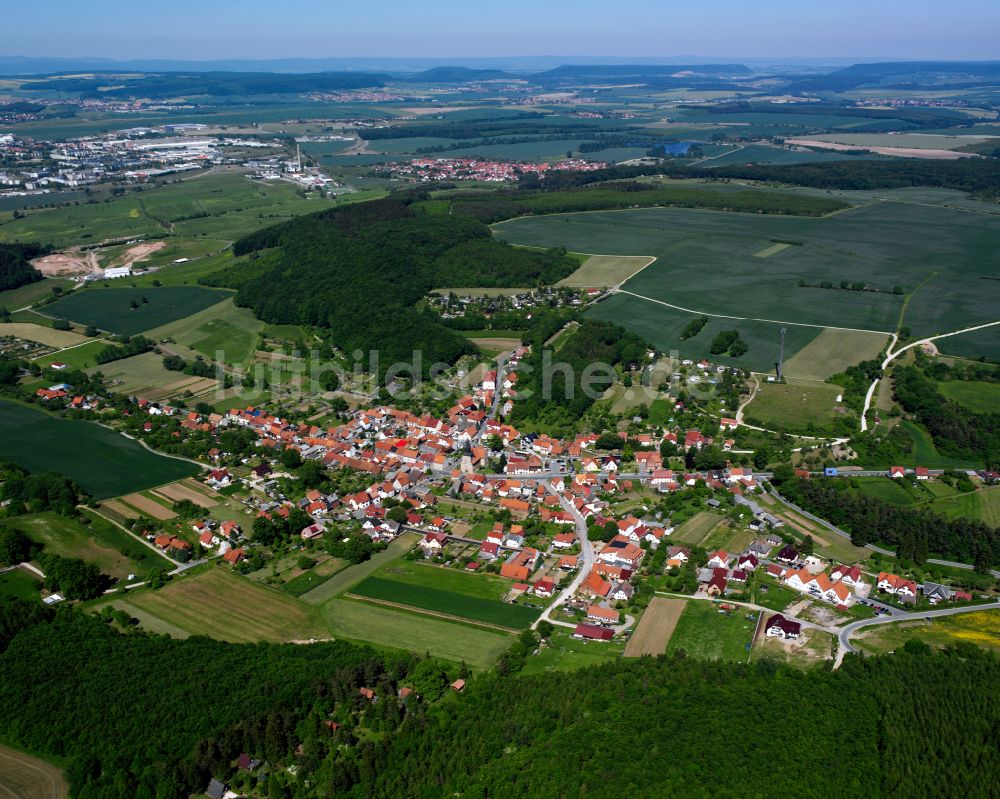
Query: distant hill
{"x": 457, "y": 75}
{"x": 904, "y": 74}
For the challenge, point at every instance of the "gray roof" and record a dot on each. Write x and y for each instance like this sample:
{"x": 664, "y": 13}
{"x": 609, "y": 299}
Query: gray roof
{"x": 215, "y": 789}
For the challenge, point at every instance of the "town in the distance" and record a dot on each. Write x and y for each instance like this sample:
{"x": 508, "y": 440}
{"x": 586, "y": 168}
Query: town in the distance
{"x": 351, "y": 418}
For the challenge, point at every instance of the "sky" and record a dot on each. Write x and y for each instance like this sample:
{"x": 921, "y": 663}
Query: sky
{"x": 215, "y": 29}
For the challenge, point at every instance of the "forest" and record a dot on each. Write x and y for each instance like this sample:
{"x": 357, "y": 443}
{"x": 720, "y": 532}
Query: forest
{"x": 144, "y": 716}
{"x": 914, "y": 533}
{"x": 358, "y": 271}
{"x": 15, "y": 265}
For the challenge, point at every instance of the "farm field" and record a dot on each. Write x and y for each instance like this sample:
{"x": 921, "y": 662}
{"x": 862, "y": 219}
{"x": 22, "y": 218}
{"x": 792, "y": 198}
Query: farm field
{"x": 145, "y": 376}
{"x": 705, "y": 264}
{"x": 655, "y": 628}
{"x": 697, "y": 529}
{"x": 832, "y": 351}
{"x": 219, "y": 205}
{"x": 103, "y": 462}
{"x": 314, "y": 577}
{"x": 884, "y": 489}
{"x": 981, "y": 628}
{"x": 982, "y": 505}
{"x": 25, "y": 777}
{"x": 110, "y": 309}
{"x": 604, "y": 270}
{"x": 482, "y": 586}
{"x": 800, "y": 406}
{"x": 23, "y": 296}
{"x": 705, "y": 633}
{"x": 83, "y": 356}
{"x": 43, "y": 335}
{"x": 219, "y": 328}
{"x": 230, "y": 608}
{"x": 926, "y": 454}
{"x": 451, "y": 603}
{"x": 343, "y": 580}
{"x": 976, "y": 397}
{"x": 388, "y": 627}
{"x": 566, "y": 653}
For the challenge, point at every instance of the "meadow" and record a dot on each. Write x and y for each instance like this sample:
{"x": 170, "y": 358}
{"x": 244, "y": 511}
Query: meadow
{"x": 145, "y": 376}
{"x": 20, "y": 583}
{"x": 798, "y": 406}
{"x": 981, "y": 505}
{"x": 604, "y": 270}
{"x": 975, "y": 396}
{"x": 706, "y": 633}
{"x": 103, "y": 462}
{"x": 706, "y": 264}
{"x": 832, "y": 351}
{"x": 219, "y": 328}
{"x": 697, "y": 529}
{"x": 111, "y": 309}
{"x": 981, "y": 628}
{"x": 563, "y": 652}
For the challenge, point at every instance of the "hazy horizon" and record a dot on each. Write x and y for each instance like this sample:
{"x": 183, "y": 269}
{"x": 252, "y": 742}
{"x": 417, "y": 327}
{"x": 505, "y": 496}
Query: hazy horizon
{"x": 383, "y": 29}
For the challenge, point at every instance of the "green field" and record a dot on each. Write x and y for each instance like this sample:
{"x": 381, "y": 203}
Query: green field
{"x": 884, "y": 489}
{"x": 566, "y": 653}
{"x": 831, "y": 352}
{"x": 981, "y": 628}
{"x": 483, "y": 586}
{"x": 227, "y": 607}
{"x": 12, "y": 299}
{"x": 19, "y": 583}
{"x": 604, "y": 270}
{"x": 706, "y": 264}
{"x": 696, "y": 529}
{"x": 219, "y": 328}
{"x": 977, "y": 397}
{"x": 105, "y": 463}
{"x": 145, "y": 376}
{"x": 352, "y": 575}
{"x": 111, "y": 310}
{"x": 220, "y": 206}
{"x": 796, "y": 406}
{"x": 707, "y": 634}
{"x": 100, "y": 543}
{"x": 450, "y": 603}
{"x": 80, "y": 357}
{"x": 981, "y": 506}
{"x": 926, "y": 454}
{"x": 388, "y": 627}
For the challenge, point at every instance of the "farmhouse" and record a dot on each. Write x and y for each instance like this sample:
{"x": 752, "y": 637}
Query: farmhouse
{"x": 593, "y": 632}
{"x": 780, "y": 627}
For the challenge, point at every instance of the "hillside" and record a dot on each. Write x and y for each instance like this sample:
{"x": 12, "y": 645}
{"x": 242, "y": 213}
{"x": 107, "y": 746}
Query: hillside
{"x": 15, "y": 265}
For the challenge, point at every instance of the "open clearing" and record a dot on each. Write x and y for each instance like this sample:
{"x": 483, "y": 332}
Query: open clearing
{"x": 389, "y": 627}
{"x": 25, "y": 777}
{"x": 655, "y": 627}
{"x": 706, "y": 264}
{"x": 111, "y": 309}
{"x": 605, "y": 270}
{"x": 70, "y": 263}
{"x": 832, "y": 351}
{"x": 105, "y": 463}
{"x": 794, "y": 406}
{"x": 43, "y": 335}
{"x": 981, "y": 628}
{"x": 707, "y": 633}
{"x": 226, "y": 607}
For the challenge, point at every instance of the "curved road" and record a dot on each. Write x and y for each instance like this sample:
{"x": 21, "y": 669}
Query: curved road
{"x": 891, "y": 356}
{"x": 845, "y": 633}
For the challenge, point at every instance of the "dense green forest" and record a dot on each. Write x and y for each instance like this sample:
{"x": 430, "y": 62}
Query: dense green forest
{"x": 956, "y": 431}
{"x": 358, "y": 271}
{"x": 15, "y": 265}
{"x": 914, "y": 533}
{"x": 142, "y": 716}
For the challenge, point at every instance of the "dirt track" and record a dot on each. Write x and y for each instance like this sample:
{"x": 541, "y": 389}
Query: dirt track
{"x": 70, "y": 263}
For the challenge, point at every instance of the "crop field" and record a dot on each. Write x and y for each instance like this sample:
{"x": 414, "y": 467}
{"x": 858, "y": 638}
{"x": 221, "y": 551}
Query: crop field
{"x": 313, "y": 577}
{"x": 697, "y": 529}
{"x": 977, "y": 397}
{"x": 483, "y": 586}
{"x": 343, "y": 580}
{"x": 706, "y": 633}
{"x": 832, "y": 351}
{"x": 43, "y": 335}
{"x": 192, "y": 491}
{"x": 145, "y": 376}
{"x": 230, "y": 608}
{"x": 149, "y": 507}
{"x": 657, "y": 624}
{"x": 794, "y": 406}
{"x": 219, "y": 205}
{"x": 972, "y": 345}
{"x": 604, "y": 270}
{"x": 219, "y": 328}
{"x": 23, "y": 296}
{"x": 762, "y": 154}
{"x": 105, "y": 463}
{"x": 388, "y": 627}
{"x": 705, "y": 264}
{"x": 111, "y": 309}
{"x": 451, "y": 603}
{"x": 79, "y": 357}
{"x": 25, "y": 777}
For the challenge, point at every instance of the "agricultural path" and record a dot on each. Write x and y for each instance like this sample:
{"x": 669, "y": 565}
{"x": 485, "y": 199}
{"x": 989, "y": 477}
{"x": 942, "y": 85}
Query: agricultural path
{"x": 891, "y": 356}
{"x": 845, "y": 633}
